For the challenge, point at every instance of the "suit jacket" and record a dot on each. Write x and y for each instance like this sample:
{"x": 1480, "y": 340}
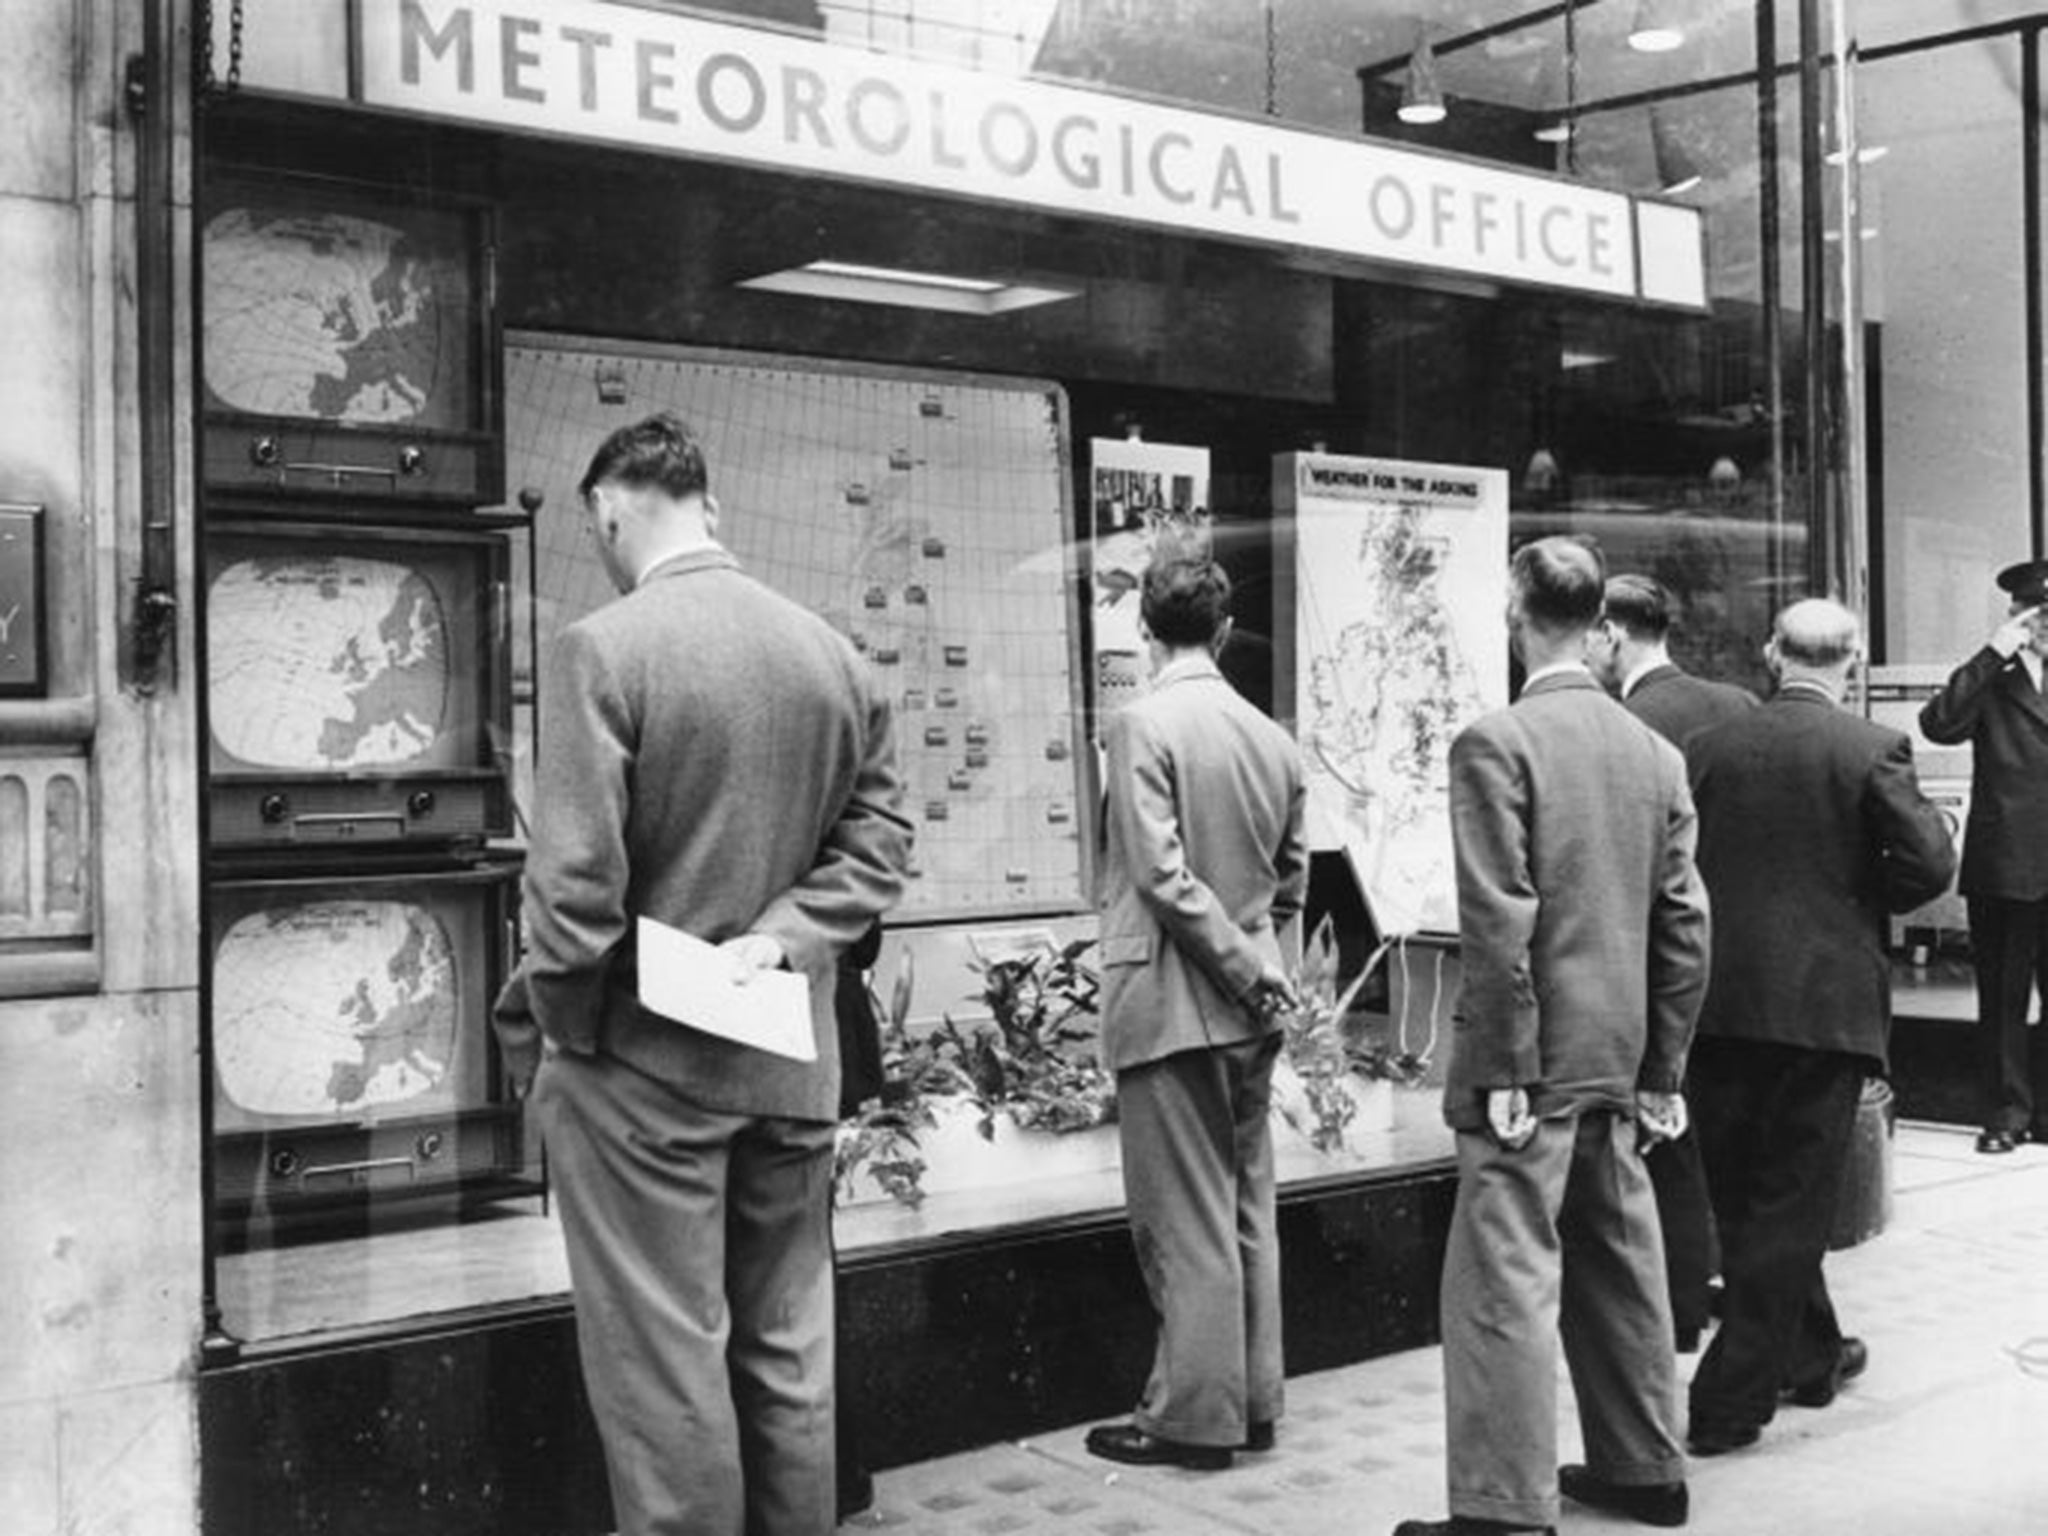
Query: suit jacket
{"x": 1678, "y": 706}
{"x": 1204, "y": 869}
{"x": 1812, "y": 827}
{"x": 719, "y": 758}
{"x": 1991, "y": 703}
{"x": 1581, "y": 918}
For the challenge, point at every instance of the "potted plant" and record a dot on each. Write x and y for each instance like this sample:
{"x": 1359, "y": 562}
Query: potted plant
{"x": 1333, "y": 1074}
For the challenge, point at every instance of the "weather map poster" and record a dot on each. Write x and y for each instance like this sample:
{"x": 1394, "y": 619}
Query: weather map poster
{"x": 1400, "y": 642}
{"x": 1140, "y": 494}
{"x": 922, "y": 514}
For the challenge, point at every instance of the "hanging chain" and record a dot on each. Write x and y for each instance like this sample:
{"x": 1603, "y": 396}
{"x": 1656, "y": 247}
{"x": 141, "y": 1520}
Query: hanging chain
{"x": 208, "y": 83}
{"x": 234, "y": 45}
{"x": 202, "y": 49}
{"x": 1272, "y": 63}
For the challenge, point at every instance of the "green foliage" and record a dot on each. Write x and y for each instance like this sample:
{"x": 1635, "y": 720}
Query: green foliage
{"x": 1036, "y": 1058}
{"x": 1326, "y": 1048}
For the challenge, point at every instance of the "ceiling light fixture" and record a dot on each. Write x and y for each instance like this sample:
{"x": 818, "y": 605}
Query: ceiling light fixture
{"x": 1422, "y": 97}
{"x": 1656, "y": 28}
{"x": 856, "y": 283}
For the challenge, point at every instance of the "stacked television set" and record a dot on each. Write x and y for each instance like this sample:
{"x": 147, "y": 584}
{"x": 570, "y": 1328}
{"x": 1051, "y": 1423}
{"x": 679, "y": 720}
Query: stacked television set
{"x": 357, "y": 626}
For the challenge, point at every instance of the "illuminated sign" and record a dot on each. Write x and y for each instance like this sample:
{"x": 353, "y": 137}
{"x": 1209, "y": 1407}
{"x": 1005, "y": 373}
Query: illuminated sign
{"x": 659, "y": 80}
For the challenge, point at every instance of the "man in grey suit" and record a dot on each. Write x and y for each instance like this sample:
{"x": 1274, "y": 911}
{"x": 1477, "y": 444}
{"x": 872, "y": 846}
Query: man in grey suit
{"x": 1583, "y": 931}
{"x": 715, "y": 757}
{"x": 1812, "y": 826}
{"x": 1202, "y": 883}
{"x": 1630, "y": 653}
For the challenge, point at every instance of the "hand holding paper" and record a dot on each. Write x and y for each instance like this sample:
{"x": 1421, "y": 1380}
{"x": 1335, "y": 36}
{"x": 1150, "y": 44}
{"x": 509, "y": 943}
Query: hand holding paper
{"x": 723, "y": 990}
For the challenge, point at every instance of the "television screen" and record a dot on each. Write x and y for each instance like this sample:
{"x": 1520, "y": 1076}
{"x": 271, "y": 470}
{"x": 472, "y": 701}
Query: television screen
{"x": 333, "y": 303}
{"x": 356, "y": 681}
{"x": 348, "y": 342}
{"x": 348, "y": 1002}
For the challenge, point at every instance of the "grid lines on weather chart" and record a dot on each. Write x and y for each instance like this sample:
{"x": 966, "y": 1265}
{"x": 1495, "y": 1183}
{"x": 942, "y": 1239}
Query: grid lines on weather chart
{"x": 921, "y": 516}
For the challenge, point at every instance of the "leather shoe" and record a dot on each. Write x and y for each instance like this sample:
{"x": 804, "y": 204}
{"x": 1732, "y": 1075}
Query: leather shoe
{"x": 1995, "y": 1139}
{"x": 1649, "y": 1503}
{"x": 1466, "y": 1525}
{"x": 1260, "y": 1435}
{"x": 1719, "y": 1439}
{"x": 1132, "y": 1446}
{"x": 1851, "y": 1360}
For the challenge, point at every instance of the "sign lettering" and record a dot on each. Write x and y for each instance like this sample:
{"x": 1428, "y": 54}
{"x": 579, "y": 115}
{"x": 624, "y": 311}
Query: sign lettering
{"x": 623, "y": 74}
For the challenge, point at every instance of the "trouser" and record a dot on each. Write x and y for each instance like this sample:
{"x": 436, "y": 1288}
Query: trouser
{"x": 1691, "y": 1253}
{"x": 700, "y": 1254}
{"x": 1556, "y": 1240}
{"x": 2009, "y": 944}
{"x": 1198, "y": 1180}
{"x": 1775, "y": 1124}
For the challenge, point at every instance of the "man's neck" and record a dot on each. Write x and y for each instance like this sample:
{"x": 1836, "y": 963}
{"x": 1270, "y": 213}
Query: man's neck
{"x": 689, "y": 542}
{"x": 1829, "y": 685}
{"x": 1166, "y": 658}
{"x": 1652, "y": 657}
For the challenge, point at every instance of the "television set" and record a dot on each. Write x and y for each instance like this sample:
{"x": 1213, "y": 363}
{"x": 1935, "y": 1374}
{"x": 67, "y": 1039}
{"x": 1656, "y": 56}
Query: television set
{"x": 348, "y": 342}
{"x": 352, "y": 1054}
{"x": 358, "y": 683}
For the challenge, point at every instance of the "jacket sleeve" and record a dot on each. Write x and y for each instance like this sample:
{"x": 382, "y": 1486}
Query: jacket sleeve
{"x": 1950, "y": 717}
{"x": 1143, "y": 806}
{"x": 1919, "y": 854}
{"x": 1498, "y": 1040}
{"x": 1291, "y": 864}
{"x": 576, "y": 868}
{"x": 1680, "y": 946}
{"x": 859, "y": 872}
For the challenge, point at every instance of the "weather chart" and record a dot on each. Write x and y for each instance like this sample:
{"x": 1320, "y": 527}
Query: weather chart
{"x": 923, "y": 515}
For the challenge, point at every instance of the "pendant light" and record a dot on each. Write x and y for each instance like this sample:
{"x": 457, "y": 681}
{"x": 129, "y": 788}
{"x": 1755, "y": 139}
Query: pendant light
{"x": 1422, "y": 97}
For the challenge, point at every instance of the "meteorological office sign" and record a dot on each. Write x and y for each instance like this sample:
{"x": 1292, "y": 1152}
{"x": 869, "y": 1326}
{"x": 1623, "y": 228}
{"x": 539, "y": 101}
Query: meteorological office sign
{"x": 685, "y": 85}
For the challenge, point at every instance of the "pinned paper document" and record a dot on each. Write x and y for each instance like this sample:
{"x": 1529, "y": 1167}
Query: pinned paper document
{"x": 694, "y": 983}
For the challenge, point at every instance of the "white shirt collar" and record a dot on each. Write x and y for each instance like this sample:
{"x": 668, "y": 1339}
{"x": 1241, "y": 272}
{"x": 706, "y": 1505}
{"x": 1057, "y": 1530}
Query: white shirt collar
{"x": 1555, "y": 669}
{"x": 2031, "y": 660}
{"x": 1642, "y": 669}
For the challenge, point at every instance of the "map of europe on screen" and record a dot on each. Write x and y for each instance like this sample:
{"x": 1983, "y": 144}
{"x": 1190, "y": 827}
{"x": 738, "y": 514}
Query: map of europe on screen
{"x": 329, "y": 663}
{"x": 924, "y": 516}
{"x": 325, "y": 315}
{"x": 334, "y": 1008}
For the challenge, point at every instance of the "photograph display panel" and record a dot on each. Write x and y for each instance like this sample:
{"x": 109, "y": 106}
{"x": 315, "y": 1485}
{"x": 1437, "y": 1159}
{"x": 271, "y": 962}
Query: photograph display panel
{"x": 924, "y": 515}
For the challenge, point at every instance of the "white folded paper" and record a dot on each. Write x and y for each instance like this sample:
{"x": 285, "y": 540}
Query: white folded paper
{"x": 692, "y": 982}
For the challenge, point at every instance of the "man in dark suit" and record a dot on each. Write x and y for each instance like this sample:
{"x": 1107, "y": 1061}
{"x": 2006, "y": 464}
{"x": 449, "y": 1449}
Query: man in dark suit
{"x": 1203, "y": 875}
{"x": 1583, "y": 929}
{"x": 1996, "y": 702}
{"x": 1630, "y": 653}
{"x": 715, "y": 757}
{"x": 1812, "y": 827}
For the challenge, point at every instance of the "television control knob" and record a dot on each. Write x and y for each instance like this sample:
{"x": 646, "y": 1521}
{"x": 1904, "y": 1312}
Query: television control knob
{"x": 274, "y": 808}
{"x": 428, "y": 1146}
{"x": 420, "y": 802}
{"x": 531, "y": 497}
{"x": 263, "y": 452}
{"x": 412, "y": 460}
{"x": 284, "y": 1163}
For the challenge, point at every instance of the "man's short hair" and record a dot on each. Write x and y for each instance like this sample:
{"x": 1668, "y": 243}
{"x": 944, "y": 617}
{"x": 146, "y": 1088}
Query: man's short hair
{"x": 659, "y": 451}
{"x": 1560, "y": 582}
{"x": 1817, "y": 632}
{"x": 1640, "y": 605}
{"x": 1186, "y": 600}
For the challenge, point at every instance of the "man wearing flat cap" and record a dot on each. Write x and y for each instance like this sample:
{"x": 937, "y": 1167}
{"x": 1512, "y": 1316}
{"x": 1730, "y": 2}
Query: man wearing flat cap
{"x": 1997, "y": 702}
